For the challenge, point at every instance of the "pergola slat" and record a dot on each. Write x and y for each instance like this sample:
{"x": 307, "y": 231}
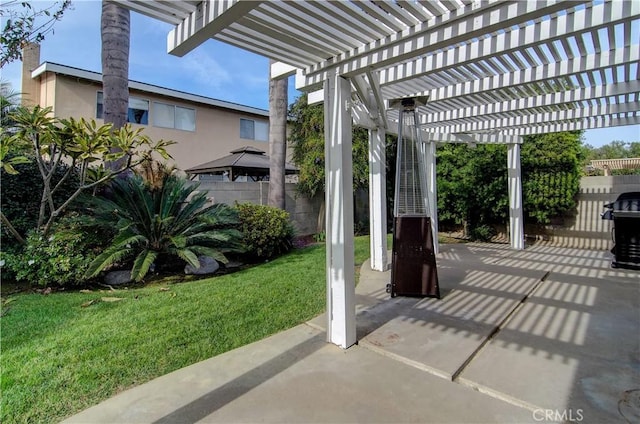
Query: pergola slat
{"x": 533, "y": 119}
{"x": 575, "y": 66}
{"x": 502, "y": 44}
{"x": 431, "y": 36}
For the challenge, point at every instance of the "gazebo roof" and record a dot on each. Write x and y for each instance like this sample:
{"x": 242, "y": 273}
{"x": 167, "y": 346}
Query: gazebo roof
{"x": 489, "y": 67}
{"x": 625, "y": 163}
{"x": 247, "y": 160}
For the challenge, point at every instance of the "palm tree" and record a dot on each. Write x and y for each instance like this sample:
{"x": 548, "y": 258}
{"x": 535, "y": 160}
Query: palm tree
{"x": 9, "y": 101}
{"x": 277, "y": 139}
{"x": 169, "y": 220}
{"x": 115, "y": 31}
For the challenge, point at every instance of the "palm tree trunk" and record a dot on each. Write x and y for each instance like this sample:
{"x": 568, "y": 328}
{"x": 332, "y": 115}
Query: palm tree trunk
{"x": 277, "y": 140}
{"x": 115, "y": 31}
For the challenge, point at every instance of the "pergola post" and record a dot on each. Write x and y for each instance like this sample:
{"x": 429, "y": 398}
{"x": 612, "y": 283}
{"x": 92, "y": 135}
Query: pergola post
{"x": 432, "y": 190}
{"x": 377, "y": 200}
{"x": 516, "y": 221}
{"x": 341, "y": 320}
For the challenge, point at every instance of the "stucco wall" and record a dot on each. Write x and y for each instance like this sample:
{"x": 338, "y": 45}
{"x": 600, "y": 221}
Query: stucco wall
{"x": 586, "y": 229}
{"x": 217, "y": 129}
{"x": 304, "y": 212}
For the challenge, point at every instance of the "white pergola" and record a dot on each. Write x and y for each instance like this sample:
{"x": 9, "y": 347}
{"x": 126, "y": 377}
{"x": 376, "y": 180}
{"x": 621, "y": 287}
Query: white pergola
{"x": 494, "y": 71}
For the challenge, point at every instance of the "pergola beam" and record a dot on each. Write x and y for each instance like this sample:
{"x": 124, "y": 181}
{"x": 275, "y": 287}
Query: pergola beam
{"x": 525, "y": 105}
{"x": 374, "y": 81}
{"x": 473, "y": 138}
{"x": 282, "y": 70}
{"x": 531, "y": 120}
{"x": 605, "y": 121}
{"x": 205, "y": 23}
{"x": 169, "y": 12}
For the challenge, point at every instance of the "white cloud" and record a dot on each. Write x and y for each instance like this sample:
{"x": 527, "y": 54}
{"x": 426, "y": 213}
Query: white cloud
{"x": 206, "y": 70}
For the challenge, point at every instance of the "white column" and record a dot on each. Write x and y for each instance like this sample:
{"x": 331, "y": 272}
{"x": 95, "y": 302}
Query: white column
{"x": 341, "y": 307}
{"x": 377, "y": 200}
{"x": 432, "y": 191}
{"x": 516, "y": 221}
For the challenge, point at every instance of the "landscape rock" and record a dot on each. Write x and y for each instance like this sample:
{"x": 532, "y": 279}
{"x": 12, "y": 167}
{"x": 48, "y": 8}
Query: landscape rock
{"x": 118, "y": 278}
{"x": 208, "y": 265}
{"x": 233, "y": 265}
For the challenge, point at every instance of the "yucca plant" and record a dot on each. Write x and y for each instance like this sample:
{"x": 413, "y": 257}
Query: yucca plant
{"x": 167, "y": 220}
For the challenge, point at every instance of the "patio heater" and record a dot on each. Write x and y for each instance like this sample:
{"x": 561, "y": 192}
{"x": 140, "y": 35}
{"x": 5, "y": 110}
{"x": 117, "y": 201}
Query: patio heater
{"x": 413, "y": 267}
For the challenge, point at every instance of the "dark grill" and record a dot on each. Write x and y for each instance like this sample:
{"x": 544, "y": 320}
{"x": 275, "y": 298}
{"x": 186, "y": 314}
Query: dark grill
{"x": 625, "y": 213}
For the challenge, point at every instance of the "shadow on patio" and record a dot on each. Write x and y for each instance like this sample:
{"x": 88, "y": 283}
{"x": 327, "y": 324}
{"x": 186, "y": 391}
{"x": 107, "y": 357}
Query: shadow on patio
{"x": 553, "y": 330}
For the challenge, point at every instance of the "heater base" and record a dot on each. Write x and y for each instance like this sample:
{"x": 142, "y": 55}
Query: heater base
{"x": 413, "y": 268}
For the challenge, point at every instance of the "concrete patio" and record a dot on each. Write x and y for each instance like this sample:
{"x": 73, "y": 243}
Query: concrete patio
{"x": 546, "y": 334}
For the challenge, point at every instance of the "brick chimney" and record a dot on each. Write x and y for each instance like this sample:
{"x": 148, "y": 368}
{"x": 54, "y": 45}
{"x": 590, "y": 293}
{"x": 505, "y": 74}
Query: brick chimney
{"x": 30, "y": 90}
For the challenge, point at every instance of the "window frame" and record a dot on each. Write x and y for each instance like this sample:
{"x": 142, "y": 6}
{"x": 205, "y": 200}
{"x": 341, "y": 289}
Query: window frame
{"x": 254, "y": 132}
{"x": 100, "y": 107}
{"x": 175, "y": 110}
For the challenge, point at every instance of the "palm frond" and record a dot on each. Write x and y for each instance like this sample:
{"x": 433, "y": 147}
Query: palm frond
{"x": 188, "y": 256}
{"x": 105, "y": 259}
{"x": 142, "y": 264}
{"x": 217, "y": 237}
{"x": 211, "y": 252}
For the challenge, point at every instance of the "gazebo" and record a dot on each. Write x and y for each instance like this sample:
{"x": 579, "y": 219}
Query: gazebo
{"x": 246, "y": 161}
{"x": 493, "y": 72}
{"x": 608, "y": 164}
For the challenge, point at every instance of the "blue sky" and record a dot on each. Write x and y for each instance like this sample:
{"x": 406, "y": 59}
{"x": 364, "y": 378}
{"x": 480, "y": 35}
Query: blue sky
{"x": 214, "y": 69}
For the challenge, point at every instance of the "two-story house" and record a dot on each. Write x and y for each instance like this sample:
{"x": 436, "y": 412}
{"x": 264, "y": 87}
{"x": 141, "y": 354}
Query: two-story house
{"x": 203, "y": 128}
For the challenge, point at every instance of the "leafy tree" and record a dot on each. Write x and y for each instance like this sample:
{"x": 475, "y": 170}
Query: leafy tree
{"x": 472, "y": 183}
{"x": 472, "y": 187}
{"x": 80, "y": 145}
{"x": 551, "y": 170}
{"x": 24, "y": 24}
{"x": 615, "y": 150}
{"x": 20, "y": 198}
{"x": 307, "y": 140}
{"x": 170, "y": 221}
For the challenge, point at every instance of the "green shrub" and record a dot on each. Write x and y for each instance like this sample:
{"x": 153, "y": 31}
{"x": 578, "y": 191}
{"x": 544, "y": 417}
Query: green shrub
{"x": 60, "y": 259}
{"x": 267, "y": 230}
{"x": 482, "y": 232}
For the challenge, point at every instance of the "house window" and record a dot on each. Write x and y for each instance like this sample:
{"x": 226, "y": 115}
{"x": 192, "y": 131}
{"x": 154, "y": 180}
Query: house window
{"x": 254, "y": 130}
{"x": 138, "y": 112}
{"x": 170, "y": 116}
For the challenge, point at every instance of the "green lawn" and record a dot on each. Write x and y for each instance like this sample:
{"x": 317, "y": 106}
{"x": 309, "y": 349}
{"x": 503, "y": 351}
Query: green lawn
{"x": 64, "y": 352}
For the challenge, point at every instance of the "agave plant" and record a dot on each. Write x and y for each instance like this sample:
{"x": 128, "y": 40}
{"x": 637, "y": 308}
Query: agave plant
{"x": 167, "y": 220}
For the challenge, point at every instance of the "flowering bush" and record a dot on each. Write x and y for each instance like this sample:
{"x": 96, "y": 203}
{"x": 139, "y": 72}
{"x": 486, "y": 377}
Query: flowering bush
{"x": 59, "y": 259}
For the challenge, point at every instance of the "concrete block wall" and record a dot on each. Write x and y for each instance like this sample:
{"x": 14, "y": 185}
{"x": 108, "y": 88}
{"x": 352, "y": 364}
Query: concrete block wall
{"x": 303, "y": 211}
{"x": 586, "y": 229}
